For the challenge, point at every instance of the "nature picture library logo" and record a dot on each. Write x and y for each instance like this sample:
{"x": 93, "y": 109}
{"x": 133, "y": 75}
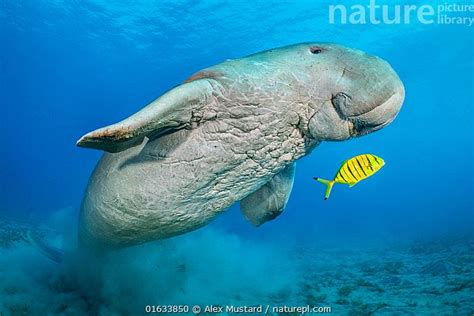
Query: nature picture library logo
{"x": 375, "y": 13}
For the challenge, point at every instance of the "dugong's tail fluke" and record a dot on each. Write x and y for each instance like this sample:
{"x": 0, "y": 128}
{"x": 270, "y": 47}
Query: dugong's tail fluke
{"x": 49, "y": 251}
{"x": 175, "y": 109}
{"x": 328, "y": 184}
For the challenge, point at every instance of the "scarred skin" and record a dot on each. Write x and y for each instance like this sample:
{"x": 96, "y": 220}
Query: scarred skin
{"x": 177, "y": 164}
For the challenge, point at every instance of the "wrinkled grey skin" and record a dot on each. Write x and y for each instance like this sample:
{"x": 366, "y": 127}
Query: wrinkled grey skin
{"x": 232, "y": 132}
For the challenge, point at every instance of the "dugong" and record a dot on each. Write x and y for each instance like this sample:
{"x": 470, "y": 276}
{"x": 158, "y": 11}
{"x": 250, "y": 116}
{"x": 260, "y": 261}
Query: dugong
{"x": 231, "y": 132}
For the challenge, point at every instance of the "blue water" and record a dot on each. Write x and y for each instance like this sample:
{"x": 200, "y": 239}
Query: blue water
{"x": 67, "y": 68}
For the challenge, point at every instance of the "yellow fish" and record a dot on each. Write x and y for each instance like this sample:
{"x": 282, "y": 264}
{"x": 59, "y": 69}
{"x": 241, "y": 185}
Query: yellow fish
{"x": 354, "y": 170}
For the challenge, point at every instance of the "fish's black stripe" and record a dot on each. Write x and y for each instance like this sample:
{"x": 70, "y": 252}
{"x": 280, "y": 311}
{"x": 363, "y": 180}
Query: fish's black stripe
{"x": 356, "y": 171}
{"x": 375, "y": 160}
{"x": 349, "y": 174}
{"x": 342, "y": 176}
{"x": 346, "y": 173}
{"x": 367, "y": 161}
{"x": 361, "y": 168}
{"x": 348, "y": 168}
{"x": 359, "y": 172}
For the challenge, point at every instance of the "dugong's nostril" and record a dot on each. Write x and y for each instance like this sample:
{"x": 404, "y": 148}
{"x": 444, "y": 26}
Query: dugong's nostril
{"x": 316, "y": 50}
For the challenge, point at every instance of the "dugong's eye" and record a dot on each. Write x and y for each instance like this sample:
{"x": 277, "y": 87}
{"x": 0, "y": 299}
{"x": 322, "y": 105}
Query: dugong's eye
{"x": 315, "y": 50}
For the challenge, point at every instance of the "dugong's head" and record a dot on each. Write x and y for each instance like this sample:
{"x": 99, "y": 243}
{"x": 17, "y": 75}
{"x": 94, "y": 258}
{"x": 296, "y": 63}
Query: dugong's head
{"x": 355, "y": 93}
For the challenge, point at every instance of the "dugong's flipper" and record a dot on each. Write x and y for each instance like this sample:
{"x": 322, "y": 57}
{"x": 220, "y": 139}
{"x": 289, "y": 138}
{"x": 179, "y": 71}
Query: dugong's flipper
{"x": 269, "y": 201}
{"x": 49, "y": 251}
{"x": 178, "y": 108}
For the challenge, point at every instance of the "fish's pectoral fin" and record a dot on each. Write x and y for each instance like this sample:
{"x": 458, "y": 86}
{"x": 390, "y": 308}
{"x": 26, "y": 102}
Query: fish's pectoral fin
{"x": 176, "y": 109}
{"x": 269, "y": 201}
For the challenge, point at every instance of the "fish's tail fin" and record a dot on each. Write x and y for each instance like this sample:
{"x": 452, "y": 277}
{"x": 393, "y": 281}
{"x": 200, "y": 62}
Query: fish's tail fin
{"x": 328, "y": 184}
{"x": 53, "y": 253}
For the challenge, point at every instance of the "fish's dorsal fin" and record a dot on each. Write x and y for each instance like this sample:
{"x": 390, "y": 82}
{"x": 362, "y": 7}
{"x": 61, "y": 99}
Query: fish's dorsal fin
{"x": 175, "y": 109}
{"x": 269, "y": 200}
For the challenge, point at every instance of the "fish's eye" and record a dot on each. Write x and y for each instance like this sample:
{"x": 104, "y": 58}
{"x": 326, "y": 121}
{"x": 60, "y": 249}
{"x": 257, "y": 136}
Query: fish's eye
{"x": 315, "y": 50}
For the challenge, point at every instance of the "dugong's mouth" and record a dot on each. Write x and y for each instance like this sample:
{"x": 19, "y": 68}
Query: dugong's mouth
{"x": 377, "y": 117}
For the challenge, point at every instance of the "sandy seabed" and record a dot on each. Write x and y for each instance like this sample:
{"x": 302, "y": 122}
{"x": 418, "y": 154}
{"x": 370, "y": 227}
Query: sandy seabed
{"x": 214, "y": 267}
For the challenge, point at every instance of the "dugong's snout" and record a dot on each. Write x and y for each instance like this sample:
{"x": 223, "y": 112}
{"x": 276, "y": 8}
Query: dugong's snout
{"x": 366, "y": 94}
{"x": 378, "y": 117}
{"x": 375, "y": 98}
